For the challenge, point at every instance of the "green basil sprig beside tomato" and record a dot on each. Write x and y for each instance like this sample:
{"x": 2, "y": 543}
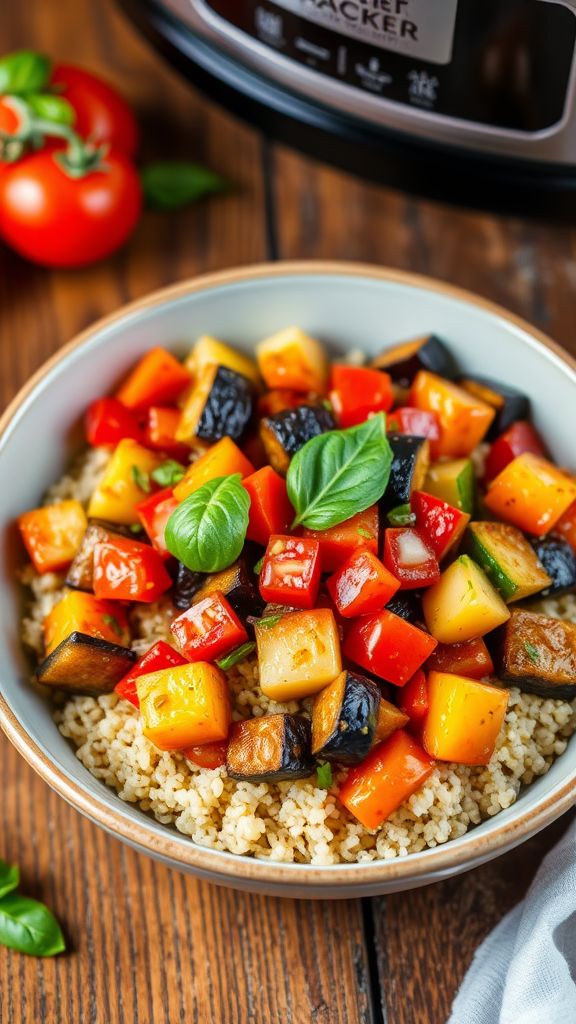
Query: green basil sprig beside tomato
{"x": 25, "y": 924}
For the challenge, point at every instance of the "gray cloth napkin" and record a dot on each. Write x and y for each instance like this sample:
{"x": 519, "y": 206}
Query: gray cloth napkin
{"x": 525, "y": 971}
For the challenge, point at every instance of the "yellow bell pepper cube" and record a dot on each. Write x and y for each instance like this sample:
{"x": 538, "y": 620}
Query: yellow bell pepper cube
{"x": 223, "y": 459}
{"x": 125, "y": 483}
{"x": 53, "y": 534}
{"x": 78, "y": 612}
{"x": 464, "y": 419}
{"x": 209, "y": 350}
{"x": 464, "y": 718}
{"x": 298, "y": 655}
{"x": 531, "y": 493}
{"x": 291, "y": 359}
{"x": 463, "y": 604}
{"x": 185, "y": 706}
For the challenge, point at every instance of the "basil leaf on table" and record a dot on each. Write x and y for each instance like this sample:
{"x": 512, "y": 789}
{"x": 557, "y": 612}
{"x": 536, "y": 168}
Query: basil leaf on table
{"x": 24, "y": 72}
{"x": 52, "y": 108}
{"x": 9, "y": 878}
{"x": 173, "y": 184}
{"x": 338, "y": 474}
{"x": 206, "y": 532}
{"x": 29, "y": 927}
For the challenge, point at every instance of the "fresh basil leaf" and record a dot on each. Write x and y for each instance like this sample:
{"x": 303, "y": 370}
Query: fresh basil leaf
{"x": 340, "y": 473}
{"x": 206, "y": 532}
{"x": 174, "y": 184}
{"x": 236, "y": 656}
{"x": 29, "y": 927}
{"x": 9, "y": 878}
{"x": 267, "y": 622}
{"x": 402, "y": 515}
{"x": 52, "y": 108}
{"x": 168, "y": 474}
{"x": 24, "y": 72}
{"x": 324, "y": 774}
{"x": 142, "y": 480}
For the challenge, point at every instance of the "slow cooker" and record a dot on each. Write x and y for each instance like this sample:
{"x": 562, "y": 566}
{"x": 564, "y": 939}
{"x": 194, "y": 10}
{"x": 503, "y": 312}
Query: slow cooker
{"x": 463, "y": 100}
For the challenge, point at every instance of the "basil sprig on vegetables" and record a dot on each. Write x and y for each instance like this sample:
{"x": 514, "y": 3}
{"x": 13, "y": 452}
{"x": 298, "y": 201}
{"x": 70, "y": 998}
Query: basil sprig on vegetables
{"x": 26, "y": 925}
{"x": 206, "y": 532}
{"x": 324, "y": 774}
{"x": 401, "y": 515}
{"x": 168, "y": 473}
{"x": 338, "y": 474}
{"x": 24, "y": 72}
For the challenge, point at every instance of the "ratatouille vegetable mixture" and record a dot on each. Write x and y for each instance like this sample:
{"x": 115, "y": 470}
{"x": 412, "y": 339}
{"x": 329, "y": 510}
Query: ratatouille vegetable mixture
{"x": 307, "y": 609}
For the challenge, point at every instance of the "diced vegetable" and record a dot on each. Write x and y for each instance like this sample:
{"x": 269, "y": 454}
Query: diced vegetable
{"x": 239, "y": 585}
{"x": 439, "y": 523}
{"x": 184, "y": 706}
{"x": 388, "y": 720}
{"x": 418, "y": 422}
{"x": 538, "y": 654}
{"x": 409, "y": 558}
{"x": 156, "y": 380}
{"x": 521, "y": 437}
{"x": 208, "y": 629}
{"x": 108, "y": 422}
{"x": 510, "y": 404}
{"x": 273, "y": 748}
{"x": 566, "y": 526}
{"x": 209, "y": 755}
{"x": 390, "y": 774}
{"x": 453, "y": 482}
{"x": 464, "y": 718}
{"x": 209, "y": 351}
{"x": 186, "y": 586}
{"x": 280, "y": 399}
{"x": 125, "y": 570}
{"x": 162, "y": 422}
{"x": 161, "y": 655}
{"x": 361, "y": 585}
{"x": 356, "y": 392}
{"x": 507, "y": 558}
{"x": 413, "y": 699}
{"x": 408, "y": 605}
{"x": 531, "y": 493}
{"x": 339, "y": 542}
{"x": 154, "y": 512}
{"x": 344, "y": 718}
{"x": 290, "y": 572}
{"x": 84, "y": 664}
{"x": 53, "y": 534}
{"x": 388, "y": 646}
{"x": 286, "y": 432}
{"x": 471, "y": 659}
{"x": 125, "y": 483}
{"x": 223, "y": 459}
{"x": 80, "y": 575}
{"x": 219, "y": 405}
{"x": 292, "y": 359}
{"x": 298, "y": 654}
{"x": 404, "y": 361}
{"x": 559, "y": 562}
{"x": 464, "y": 419}
{"x": 78, "y": 612}
{"x": 410, "y": 463}
{"x": 270, "y": 510}
{"x": 463, "y": 605}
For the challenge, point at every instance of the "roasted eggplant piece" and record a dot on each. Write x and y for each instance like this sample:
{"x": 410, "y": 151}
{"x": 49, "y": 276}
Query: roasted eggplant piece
{"x": 85, "y": 664}
{"x": 273, "y": 748}
{"x": 510, "y": 404}
{"x": 186, "y": 586}
{"x": 81, "y": 572}
{"x": 404, "y": 361}
{"x": 219, "y": 405}
{"x": 559, "y": 562}
{"x": 411, "y": 459}
{"x": 239, "y": 585}
{"x": 388, "y": 719}
{"x": 286, "y": 432}
{"x": 344, "y": 719}
{"x": 408, "y": 605}
{"x": 538, "y": 654}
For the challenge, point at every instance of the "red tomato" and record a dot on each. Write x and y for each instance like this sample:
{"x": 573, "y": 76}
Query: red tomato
{"x": 208, "y": 629}
{"x": 338, "y": 542}
{"x": 160, "y": 656}
{"x": 126, "y": 570}
{"x": 102, "y": 115}
{"x": 270, "y": 509}
{"x": 357, "y": 392}
{"x": 388, "y": 646}
{"x": 210, "y": 755}
{"x": 108, "y": 422}
{"x": 154, "y": 512}
{"x": 290, "y": 572}
{"x": 59, "y": 221}
{"x": 361, "y": 585}
{"x": 409, "y": 558}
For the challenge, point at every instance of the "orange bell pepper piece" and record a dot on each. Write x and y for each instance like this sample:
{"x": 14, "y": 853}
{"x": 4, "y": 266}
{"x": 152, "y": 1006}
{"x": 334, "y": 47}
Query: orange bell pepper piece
{"x": 160, "y": 431}
{"x": 53, "y": 534}
{"x": 337, "y": 543}
{"x": 156, "y": 380}
{"x": 79, "y": 612}
{"x": 223, "y": 459}
{"x": 464, "y": 718}
{"x": 566, "y": 526}
{"x": 386, "y": 778}
{"x": 464, "y": 419}
{"x": 531, "y": 493}
{"x": 185, "y": 706}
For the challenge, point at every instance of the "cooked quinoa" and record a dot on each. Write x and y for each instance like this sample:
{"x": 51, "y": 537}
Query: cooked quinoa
{"x": 286, "y": 821}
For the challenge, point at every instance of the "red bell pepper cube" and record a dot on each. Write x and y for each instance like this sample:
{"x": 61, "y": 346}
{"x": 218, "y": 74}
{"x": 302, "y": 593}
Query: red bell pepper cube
{"x": 521, "y": 437}
{"x": 361, "y": 585}
{"x": 108, "y": 422}
{"x": 210, "y": 755}
{"x": 357, "y": 391}
{"x": 418, "y": 422}
{"x": 157, "y": 379}
{"x": 270, "y": 510}
{"x": 338, "y": 542}
{"x": 126, "y": 570}
{"x": 413, "y": 700}
{"x": 386, "y": 778}
{"x": 154, "y": 512}
{"x": 439, "y": 523}
{"x": 160, "y": 431}
{"x": 410, "y": 558}
{"x": 208, "y": 629}
{"x": 471, "y": 659}
{"x": 566, "y": 526}
{"x": 290, "y": 571}
{"x": 388, "y": 646}
{"x": 160, "y": 656}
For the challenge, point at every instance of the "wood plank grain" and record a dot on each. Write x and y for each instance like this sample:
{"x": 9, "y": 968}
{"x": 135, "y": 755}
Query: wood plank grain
{"x": 148, "y": 945}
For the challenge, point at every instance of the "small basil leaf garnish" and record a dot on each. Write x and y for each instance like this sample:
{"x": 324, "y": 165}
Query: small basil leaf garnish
{"x": 24, "y": 72}
{"x": 236, "y": 656}
{"x": 206, "y": 532}
{"x": 168, "y": 473}
{"x": 29, "y": 927}
{"x": 9, "y": 878}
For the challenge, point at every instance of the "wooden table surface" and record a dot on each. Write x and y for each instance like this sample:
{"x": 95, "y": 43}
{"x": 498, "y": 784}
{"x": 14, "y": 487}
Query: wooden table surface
{"x": 148, "y": 945}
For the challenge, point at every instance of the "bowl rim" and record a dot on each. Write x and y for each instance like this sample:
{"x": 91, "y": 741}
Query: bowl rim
{"x": 179, "y": 850}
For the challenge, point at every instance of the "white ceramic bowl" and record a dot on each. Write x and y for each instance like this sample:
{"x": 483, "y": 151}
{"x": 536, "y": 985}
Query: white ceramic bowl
{"x": 349, "y": 306}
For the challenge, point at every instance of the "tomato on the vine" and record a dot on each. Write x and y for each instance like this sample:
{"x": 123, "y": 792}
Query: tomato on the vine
{"x": 102, "y": 115}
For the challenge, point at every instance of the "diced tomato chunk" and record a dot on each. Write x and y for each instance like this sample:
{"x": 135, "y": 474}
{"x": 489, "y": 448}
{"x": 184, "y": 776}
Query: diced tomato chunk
{"x": 471, "y": 658}
{"x": 413, "y": 700}
{"x": 519, "y": 438}
{"x": 357, "y": 391}
{"x": 361, "y": 585}
{"x": 157, "y": 379}
{"x": 126, "y": 570}
{"x": 279, "y": 399}
{"x": 388, "y": 646}
{"x": 270, "y": 510}
{"x": 208, "y": 629}
{"x": 418, "y": 422}
{"x": 161, "y": 655}
{"x": 210, "y": 755}
{"x": 390, "y": 774}
{"x": 154, "y": 512}
{"x": 108, "y": 422}
{"x": 439, "y": 523}
{"x": 409, "y": 558}
{"x": 338, "y": 542}
{"x": 160, "y": 431}
{"x": 290, "y": 571}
